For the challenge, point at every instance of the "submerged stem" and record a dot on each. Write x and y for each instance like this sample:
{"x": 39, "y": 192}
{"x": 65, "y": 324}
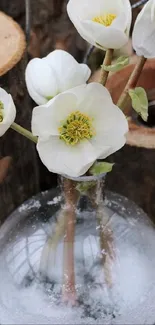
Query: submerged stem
{"x": 52, "y": 243}
{"x": 132, "y": 82}
{"x": 107, "y": 61}
{"x": 105, "y": 233}
{"x": 69, "y": 291}
{"x": 27, "y": 134}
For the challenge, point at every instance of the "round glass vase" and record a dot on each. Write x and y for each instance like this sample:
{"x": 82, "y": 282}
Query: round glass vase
{"x": 76, "y": 256}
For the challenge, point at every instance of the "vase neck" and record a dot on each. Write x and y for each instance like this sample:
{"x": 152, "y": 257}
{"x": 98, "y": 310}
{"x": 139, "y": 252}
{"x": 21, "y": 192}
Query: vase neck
{"x": 73, "y": 190}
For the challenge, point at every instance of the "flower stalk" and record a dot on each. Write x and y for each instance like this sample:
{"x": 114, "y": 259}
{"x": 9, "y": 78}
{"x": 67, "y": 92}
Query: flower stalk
{"x": 27, "y": 134}
{"x": 132, "y": 82}
{"x": 105, "y": 233}
{"x": 69, "y": 291}
{"x": 106, "y": 62}
{"x": 52, "y": 242}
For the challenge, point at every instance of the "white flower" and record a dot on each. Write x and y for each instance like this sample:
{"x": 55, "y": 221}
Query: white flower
{"x": 57, "y": 72}
{"x": 144, "y": 31}
{"x": 7, "y": 111}
{"x": 102, "y": 23}
{"x": 77, "y": 127}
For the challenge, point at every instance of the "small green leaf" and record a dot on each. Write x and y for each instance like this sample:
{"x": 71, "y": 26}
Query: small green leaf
{"x": 100, "y": 168}
{"x": 84, "y": 187}
{"x": 120, "y": 63}
{"x": 139, "y": 102}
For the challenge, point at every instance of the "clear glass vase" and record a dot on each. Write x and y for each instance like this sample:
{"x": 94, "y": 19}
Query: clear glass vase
{"x": 75, "y": 256}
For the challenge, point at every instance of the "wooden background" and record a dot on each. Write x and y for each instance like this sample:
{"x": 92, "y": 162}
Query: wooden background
{"x": 134, "y": 171}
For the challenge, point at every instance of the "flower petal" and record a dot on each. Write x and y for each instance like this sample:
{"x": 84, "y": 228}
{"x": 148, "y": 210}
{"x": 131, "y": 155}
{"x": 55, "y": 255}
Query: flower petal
{"x": 46, "y": 119}
{"x": 88, "y": 9}
{"x": 68, "y": 71}
{"x": 95, "y": 101}
{"x": 81, "y": 13}
{"x": 41, "y": 79}
{"x": 108, "y": 120}
{"x": 107, "y": 37}
{"x": 38, "y": 99}
{"x": 113, "y": 142}
{"x": 88, "y": 94}
{"x": 144, "y": 32}
{"x": 9, "y": 111}
{"x": 61, "y": 158}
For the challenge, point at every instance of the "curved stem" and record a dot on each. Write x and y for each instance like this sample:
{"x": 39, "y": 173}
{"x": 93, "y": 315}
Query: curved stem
{"x": 106, "y": 244}
{"x": 132, "y": 82}
{"x": 27, "y": 134}
{"x": 52, "y": 243}
{"x": 107, "y": 248}
{"x": 107, "y": 61}
{"x": 106, "y": 236}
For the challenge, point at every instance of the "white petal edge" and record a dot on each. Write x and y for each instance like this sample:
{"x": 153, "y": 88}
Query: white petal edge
{"x": 87, "y": 9}
{"x": 68, "y": 71}
{"x": 9, "y": 111}
{"x": 41, "y": 78}
{"x": 104, "y": 36}
{"x": 60, "y": 158}
{"x": 38, "y": 99}
{"x": 46, "y": 119}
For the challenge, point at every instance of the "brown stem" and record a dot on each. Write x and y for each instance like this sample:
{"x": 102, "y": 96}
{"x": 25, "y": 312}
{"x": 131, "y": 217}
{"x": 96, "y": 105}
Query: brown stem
{"x": 132, "y": 82}
{"x": 105, "y": 233}
{"x": 52, "y": 242}
{"x": 106, "y": 244}
{"x": 107, "y": 61}
{"x": 69, "y": 291}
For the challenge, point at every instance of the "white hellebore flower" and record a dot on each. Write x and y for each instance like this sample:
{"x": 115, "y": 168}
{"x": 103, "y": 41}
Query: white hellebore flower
{"x": 102, "y": 23}
{"x": 7, "y": 111}
{"x": 144, "y": 31}
{"x": 56, "y": 73}
{"x": 78, "y": 127}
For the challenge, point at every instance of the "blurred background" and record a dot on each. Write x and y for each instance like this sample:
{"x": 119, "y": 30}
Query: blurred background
{"x": 47, "y": 27}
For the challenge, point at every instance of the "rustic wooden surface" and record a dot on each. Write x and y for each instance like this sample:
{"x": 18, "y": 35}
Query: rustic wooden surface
{"x": 22, "y": 179}
{"x": 19, "y": 171}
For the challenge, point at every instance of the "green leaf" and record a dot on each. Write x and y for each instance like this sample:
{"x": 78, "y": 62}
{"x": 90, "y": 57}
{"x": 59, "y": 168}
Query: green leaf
{"x": 120, "y": 63}
{"x": 84, "y": 187}
{"x": 139, "y": 102}
{"x": 100, "y": 168}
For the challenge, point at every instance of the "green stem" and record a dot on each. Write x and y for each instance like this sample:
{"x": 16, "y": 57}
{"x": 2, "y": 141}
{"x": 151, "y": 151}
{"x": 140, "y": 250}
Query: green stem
{"x": 107, "y": 61}
{"x": 27, "y": 134}
{"x": 132, "y": 82}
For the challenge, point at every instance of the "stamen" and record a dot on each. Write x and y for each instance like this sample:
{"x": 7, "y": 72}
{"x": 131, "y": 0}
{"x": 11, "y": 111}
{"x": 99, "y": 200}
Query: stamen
{"x": 77, "y": 127}
{"x": 105, "y": 20}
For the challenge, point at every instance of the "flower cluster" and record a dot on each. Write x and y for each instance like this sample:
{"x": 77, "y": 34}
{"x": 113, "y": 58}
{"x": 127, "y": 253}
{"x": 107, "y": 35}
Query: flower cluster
{"x": 77, "y": 123}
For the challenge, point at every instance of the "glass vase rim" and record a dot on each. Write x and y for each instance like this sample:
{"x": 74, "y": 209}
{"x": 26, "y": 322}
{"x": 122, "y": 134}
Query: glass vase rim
{"x": 86, "y": 178}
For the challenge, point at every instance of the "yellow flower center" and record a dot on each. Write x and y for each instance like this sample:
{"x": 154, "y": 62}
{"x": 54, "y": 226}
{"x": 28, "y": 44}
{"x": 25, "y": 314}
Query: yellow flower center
{"x": 77, "y": 127}
{"x": 105, "y": 20}
{"x": 1, "y": 111}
